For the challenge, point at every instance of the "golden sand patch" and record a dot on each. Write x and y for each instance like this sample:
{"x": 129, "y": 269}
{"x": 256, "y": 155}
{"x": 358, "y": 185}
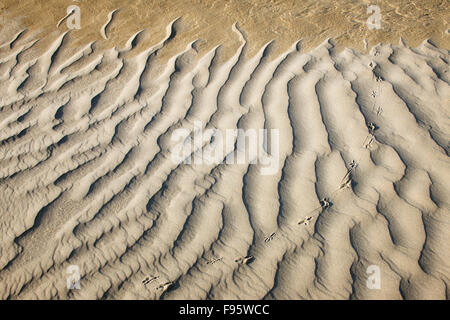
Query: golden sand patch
{"x": 284, "y": 21}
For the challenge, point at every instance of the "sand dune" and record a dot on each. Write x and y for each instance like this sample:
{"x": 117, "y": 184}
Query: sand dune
{"x": 86, "y": 176}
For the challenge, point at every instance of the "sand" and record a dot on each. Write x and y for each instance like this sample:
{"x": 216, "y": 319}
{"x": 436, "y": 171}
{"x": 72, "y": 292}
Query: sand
{"x": 209, "y": 23}
{"x": 87, "y": 177}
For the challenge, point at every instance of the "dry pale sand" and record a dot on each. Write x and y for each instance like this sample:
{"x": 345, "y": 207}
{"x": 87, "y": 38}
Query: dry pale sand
{"x": 87, "y": 179}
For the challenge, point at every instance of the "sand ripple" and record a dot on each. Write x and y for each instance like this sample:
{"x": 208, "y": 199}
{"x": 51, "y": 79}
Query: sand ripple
{"x": 86, "y": 177}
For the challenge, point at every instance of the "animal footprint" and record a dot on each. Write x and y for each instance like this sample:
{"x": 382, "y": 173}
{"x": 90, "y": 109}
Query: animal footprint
{"x": 270, "y": 238}
{"x": 347, "y": 182}
{"x": 149, "y": 279}
{"x": 379, "y": 111}
{"x": 369, "y": 143}
{"x": 245, "y": 260}
{"x": 372, "y": 127}
{"x": 165, "y": 286}
{"x": 305, "y": 221}
{"x": 214, "y": 260}
{"x": 325, "y": 203}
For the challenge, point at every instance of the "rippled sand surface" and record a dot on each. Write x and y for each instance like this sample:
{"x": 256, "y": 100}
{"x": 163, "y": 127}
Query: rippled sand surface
{"x": 87, "y": 177}
{"x": 209, "y": 22}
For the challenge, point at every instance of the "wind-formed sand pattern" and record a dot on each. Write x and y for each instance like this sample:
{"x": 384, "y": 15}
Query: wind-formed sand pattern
{"x": 86, "y": 176}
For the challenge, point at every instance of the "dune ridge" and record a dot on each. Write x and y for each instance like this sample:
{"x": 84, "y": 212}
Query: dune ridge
{"x": 86, "y": 177}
